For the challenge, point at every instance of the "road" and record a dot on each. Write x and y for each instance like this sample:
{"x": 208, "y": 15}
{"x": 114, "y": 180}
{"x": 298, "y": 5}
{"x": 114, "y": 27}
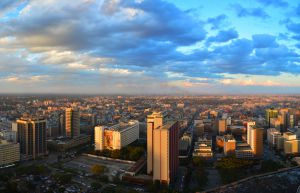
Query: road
{"x": 214, "y": 179}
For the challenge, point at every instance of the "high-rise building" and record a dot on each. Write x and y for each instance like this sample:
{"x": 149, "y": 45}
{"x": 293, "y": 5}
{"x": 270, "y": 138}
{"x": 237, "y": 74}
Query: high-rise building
{"x": 154, "y": 121}
{"x": 61, "y": 124}
{"x": 271, "y": 113}
{"x": 117, "y": 136}
{"x": 256, "y": 141}
{"x": 222, "y": 126}
{"x": 273, "y": 136}
{"x": 165, "y": 152}
{"x": 249, "y": 124}
{"x": 31, "y": 135}
{"x": 72, "y": 123}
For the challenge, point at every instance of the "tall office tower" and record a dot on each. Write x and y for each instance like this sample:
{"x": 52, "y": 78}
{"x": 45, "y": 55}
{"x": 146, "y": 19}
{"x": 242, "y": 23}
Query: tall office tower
{"x": 222, "y": 126}
{"x": 165, "y": 152}
{"x": 256, "y": 143}
{"x": 72, "y": 122}
{"x": 154, "y": 121}
{"x": 249, "y": 125}
{"x": 283, "y": 119}
{"x": 271, "y": 113}
{"x": 61, "y": 124}
{"x": 31, "y": 135}
{"x": 290, "y": 120}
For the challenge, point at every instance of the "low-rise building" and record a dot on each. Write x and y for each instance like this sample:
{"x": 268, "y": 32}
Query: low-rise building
{"x": 229, "y": 145}
{"x": 64, "y": 144}
{"x": 291, "y": 145}
{"x": 203, "y": 148}
{"x": 243, "y": 151}
{"x": 9, "y": 135}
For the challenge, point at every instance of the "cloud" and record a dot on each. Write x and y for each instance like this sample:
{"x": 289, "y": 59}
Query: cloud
{"x": 134, "y": 47}
{"x": 293, "y": 27}
{"x": 224, "y": 36}
{"x": 264, "y": 41}
{"x": 298, "y": 10}
{"x": 251, "y": 82}
{"x": 276, "y": 3}
{"x": 217, "y": 22}
{"x": 26, "y": 80}
{"x": 249, "y": 12}
{"x": 6, "y": 5}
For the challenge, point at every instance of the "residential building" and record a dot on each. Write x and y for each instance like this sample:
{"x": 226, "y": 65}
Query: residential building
{"x": 165, "y": 152}
{"x": 9, "y": 153}
{"x": 257, "y": 141}
{"x": 117, "y": 136}
{"x": 154, "y": 121}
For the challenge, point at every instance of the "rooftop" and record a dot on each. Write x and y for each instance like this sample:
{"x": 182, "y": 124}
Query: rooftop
{"x": 122, "y": 126}
{"x": 243, "y": 146}
{"x": 167, "y": 125}
{"x": 289, "y": 133}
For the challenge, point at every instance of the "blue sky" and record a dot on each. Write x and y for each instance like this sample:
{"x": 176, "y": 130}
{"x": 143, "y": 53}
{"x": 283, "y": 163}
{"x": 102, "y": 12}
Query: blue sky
{"x": 150, "y": 46}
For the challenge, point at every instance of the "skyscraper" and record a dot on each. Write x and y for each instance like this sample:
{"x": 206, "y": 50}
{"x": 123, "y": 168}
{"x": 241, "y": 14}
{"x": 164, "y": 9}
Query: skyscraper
{"x": 31, "y": 135}
{"x": 271, "y": 113}
{"x": 222, "y": 126}
{"x": 61, "y": 124}
{"x": 154, "y": 121}
{"x": 249, "y": 124}
{"x": 165, "y": 152}
{"x": 72, "y": 123}
{"x": 257, "y": 141}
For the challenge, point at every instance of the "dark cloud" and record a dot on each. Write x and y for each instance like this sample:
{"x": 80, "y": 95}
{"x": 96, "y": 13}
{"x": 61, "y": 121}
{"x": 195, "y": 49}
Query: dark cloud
{"x": 224, "y": 36}
{"x": 276, "y": 3}
{"x": 249, "y": 12}
{"x": 126, "y": 30}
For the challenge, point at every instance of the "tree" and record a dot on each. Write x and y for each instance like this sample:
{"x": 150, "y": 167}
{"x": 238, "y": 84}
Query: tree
{"x": 116, "y": 154}
{"x": 198, "y": 162}
{"x": 63, "y": 178}
{"x": 96, "y": 185}
{"x": 97, "y": 169}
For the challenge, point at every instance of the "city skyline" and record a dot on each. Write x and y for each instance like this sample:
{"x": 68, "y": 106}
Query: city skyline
{"x": 150, "y": 47}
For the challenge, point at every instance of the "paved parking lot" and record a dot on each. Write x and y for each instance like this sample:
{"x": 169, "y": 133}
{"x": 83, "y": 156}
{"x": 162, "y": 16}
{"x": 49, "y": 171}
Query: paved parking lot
{"x": 84, "y": 163}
